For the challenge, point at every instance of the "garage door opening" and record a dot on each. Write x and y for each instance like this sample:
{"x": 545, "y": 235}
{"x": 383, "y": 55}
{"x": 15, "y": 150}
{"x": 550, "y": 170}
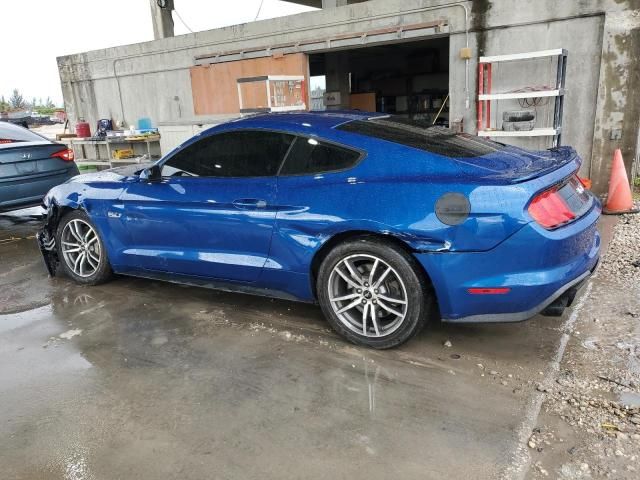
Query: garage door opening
{"x": 406, "y": 79}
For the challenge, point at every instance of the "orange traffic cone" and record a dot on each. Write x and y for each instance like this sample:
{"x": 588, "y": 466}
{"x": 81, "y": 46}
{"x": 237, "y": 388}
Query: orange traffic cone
{"x": 619, "y": 199}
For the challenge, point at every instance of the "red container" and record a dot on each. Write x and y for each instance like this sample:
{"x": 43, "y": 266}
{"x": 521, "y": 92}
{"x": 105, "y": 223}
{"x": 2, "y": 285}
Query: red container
{"x": 83, "y": 130}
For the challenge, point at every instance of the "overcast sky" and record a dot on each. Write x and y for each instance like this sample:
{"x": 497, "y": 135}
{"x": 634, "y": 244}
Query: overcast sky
{"x": 35, "y": 32}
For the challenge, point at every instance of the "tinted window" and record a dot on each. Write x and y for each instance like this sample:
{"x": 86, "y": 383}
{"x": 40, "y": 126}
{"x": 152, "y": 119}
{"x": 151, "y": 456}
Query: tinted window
{"x": 421, "y": 135}
{"x": 232, "y": 154}
{"x": 309, "y": 156}
{"x": 12, "y": 133}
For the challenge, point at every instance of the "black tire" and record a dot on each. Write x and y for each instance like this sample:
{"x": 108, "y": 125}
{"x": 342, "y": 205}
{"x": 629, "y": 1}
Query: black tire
{"x": 419, "y": 296}
{"x": 518, "y": 126}
{"x": 103, "y": 271}
{"x": 519, "y": 115}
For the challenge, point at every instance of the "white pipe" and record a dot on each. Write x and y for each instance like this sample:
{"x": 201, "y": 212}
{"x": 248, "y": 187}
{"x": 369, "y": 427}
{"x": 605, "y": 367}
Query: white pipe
{"x": 285, "y": 32}
{"x": 466, "y": 60}
{"x": 422, "y": 9}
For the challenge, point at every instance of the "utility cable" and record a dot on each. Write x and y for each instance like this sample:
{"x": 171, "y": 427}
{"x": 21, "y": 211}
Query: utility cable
{"x": 181, "y": 20}
{"x": 259, "y": 10}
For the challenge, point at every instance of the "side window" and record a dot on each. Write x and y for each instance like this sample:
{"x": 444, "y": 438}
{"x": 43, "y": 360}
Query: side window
{"x": 246, "y": 153}
{"x": 309, "y": 156}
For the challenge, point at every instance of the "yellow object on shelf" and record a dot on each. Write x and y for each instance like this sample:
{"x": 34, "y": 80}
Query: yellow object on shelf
{"x": 123, "y": 153}
{"x": 142, "y": 137}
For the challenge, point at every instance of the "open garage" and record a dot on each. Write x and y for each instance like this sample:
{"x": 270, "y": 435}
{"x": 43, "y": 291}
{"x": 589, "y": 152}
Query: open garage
{"x": 409, "y": 79}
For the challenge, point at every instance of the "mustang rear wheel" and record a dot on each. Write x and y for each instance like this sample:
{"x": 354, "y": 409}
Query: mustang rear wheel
{"x": 373, "y": 293}
{"x": 81, "y": 250}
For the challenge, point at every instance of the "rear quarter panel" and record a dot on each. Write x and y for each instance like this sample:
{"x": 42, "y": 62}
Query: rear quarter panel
{"x": 393, "y": 191}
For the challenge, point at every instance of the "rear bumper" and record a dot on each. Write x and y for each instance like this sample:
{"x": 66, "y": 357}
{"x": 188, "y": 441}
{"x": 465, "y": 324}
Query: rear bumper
{"x": 29, "y": 191}
{"x": 563, "y": 297}
{"x": 21, "y": 203}
{"x": 542, "y": 270}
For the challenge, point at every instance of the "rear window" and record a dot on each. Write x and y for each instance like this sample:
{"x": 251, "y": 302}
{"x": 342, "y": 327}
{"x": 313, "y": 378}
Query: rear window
{"x": 310, "y": 156}
{"x": 422, "y": 135}
{"x": 12, "y": 133}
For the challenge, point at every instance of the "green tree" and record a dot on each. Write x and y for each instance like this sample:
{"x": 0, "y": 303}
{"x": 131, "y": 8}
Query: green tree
{"x": 4, "y": 105}
{"x": 16, "y": 100}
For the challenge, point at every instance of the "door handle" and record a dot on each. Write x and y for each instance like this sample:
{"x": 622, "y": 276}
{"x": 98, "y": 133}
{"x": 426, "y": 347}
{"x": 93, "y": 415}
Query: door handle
{"x": 247, "y": 203}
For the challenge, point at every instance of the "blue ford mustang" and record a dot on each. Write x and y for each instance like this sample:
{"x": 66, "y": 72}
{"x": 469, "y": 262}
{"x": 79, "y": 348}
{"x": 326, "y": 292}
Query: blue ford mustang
{"x": 377, "y": 218}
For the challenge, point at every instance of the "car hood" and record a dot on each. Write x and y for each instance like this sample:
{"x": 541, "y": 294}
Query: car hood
{"x": 117, "y": 174}
{"x": 515, "y": 165}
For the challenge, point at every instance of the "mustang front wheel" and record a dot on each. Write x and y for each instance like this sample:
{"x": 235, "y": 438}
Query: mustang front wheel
{"x": 81, "y": 251}
{"x": 373, "y": 293}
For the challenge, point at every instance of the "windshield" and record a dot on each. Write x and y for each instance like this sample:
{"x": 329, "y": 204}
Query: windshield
{"x": 10, "y": 133}
{"x": 422, "y": 135}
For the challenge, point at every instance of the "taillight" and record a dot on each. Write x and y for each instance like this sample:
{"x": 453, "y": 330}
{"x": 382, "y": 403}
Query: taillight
{"x": 550, "y": 209}
{"x": 5, "y": 140}
{"x": 67, "y": 155}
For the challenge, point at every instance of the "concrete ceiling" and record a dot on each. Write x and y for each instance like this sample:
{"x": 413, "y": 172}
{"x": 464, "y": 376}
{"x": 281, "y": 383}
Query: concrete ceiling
{"x": 308, "y": 3}
{"x": 318, "y": 3}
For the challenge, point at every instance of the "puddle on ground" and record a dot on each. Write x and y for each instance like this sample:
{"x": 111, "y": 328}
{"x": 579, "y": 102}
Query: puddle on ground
{"x": 12, "y": 321}
{"x": 630, "y": 399}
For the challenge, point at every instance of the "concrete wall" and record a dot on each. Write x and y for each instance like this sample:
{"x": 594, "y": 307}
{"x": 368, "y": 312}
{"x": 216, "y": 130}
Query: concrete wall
{"x": 582, "y": 37}
{"x": 602, "y": 36}
{"x": 603, "y": 39}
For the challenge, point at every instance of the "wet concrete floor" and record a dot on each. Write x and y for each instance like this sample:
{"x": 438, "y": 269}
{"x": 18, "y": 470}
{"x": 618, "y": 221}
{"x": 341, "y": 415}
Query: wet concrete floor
{"x": 148, "y": 380}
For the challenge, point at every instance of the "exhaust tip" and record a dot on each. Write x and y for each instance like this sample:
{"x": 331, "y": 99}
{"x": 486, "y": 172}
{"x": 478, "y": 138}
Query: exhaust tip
{"x": 557, "y": 307}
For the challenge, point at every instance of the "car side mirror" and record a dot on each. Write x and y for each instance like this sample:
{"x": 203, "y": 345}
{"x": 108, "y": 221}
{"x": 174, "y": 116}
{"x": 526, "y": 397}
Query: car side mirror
{"x": 151, "y": 174}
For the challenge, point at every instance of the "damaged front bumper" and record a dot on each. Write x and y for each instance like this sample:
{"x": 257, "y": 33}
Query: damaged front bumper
{"x": 47, "y": 242}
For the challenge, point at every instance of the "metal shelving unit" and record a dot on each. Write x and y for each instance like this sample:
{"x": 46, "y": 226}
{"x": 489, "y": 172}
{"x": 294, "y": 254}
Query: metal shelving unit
{"x": 486, "y": 96}
{"x": 81, "y": 146}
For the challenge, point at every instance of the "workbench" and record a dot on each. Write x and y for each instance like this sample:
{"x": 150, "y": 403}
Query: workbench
{"x": 100, "y": 152}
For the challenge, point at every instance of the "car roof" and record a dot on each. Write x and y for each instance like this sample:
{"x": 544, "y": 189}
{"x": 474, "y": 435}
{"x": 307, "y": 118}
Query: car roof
{"x": 327, "y": 119}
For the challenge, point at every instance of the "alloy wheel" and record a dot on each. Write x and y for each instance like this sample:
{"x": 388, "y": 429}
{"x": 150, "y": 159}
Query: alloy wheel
{"x": 367, "y": 295}
{"x": 80, "y": 248}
